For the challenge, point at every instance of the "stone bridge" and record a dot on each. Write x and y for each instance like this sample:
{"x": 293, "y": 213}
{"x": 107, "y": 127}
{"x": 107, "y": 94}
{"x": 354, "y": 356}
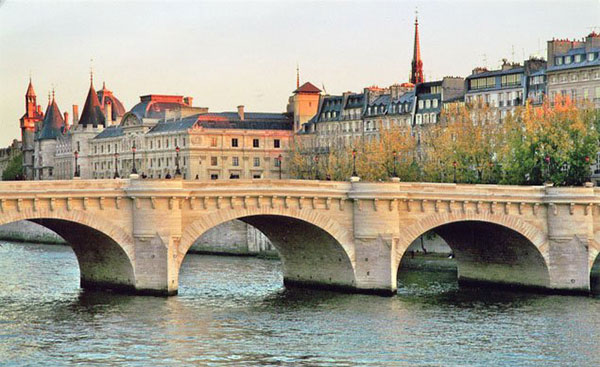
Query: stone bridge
{"x": 133, "y": 235}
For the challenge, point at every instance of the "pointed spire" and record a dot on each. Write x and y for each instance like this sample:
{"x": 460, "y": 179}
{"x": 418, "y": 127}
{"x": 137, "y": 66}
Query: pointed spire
{"x": 297, "y": 76}
{"x": 416, "y": 75}
{"x": 30, "y": 91}
{"x": 53, "y": 124}
{"x": 92, "y": 112}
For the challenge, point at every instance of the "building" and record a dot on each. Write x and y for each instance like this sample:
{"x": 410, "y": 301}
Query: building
{"x": 504, "y": 89}
{"x": 53, "y": 127}
{"x": 30, "y": 122}
{"x": 431, "y": 96}
{"x": 574, "y": 69}
{"x": 167, "y": 136}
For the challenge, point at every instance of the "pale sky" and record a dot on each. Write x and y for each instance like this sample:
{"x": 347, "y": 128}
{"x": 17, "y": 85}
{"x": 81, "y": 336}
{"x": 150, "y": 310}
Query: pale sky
{"x": 229, "y": 53}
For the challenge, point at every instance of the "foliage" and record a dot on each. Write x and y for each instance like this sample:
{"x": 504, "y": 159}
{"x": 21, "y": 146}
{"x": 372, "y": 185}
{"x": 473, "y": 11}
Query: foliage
{"x": 554, "y": 142}
{"x": 14, "y": 169}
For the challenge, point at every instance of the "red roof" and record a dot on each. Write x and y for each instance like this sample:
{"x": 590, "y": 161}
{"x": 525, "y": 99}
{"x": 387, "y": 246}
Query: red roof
{"x": 307, "y": 87}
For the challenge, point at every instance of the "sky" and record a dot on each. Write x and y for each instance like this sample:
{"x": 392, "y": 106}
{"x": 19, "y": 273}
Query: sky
{"x": 226, "y": 54}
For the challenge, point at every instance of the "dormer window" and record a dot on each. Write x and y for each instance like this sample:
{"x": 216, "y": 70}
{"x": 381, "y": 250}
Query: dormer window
{"x": 568, "y": 59}
{"x": 578, "y": 58}
{"x": 558, "y": 60}
{"x": 591, "y": 56}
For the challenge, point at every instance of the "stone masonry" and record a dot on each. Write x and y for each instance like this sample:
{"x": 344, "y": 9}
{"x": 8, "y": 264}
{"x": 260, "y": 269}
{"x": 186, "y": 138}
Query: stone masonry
{"x": 133, "y": 234}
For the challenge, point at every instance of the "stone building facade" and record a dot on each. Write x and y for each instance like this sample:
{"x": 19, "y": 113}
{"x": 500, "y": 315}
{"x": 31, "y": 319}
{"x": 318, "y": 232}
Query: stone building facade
{"x": 7, "y": 154}
{"x": 574, "y": 69}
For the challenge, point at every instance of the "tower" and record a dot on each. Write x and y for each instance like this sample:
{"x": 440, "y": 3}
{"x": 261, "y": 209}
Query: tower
{"x": 416, "y": 74}
{"x": 29, "y": 123}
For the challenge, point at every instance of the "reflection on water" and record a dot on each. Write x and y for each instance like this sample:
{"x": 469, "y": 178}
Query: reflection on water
{"x": 235, "y": 311}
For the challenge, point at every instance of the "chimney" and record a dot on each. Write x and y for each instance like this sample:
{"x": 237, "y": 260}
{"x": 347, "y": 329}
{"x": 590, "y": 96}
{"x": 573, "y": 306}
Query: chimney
{"x": 66, "y": 119}
{"x": 241, "y": 112}
{"x": 188, "y": 101}
{"x": 75, "y": 114}
{"x": 108, "y": 113}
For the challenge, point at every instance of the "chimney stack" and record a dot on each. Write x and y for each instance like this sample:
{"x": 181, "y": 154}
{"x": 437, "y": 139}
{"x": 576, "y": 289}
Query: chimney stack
{"x": 66, "y": 119}
{"x": 188, "y": 101}
{"x": 241, "y": 112}
{"x": 75, "y": 114}
{"x": 108, "y": 113}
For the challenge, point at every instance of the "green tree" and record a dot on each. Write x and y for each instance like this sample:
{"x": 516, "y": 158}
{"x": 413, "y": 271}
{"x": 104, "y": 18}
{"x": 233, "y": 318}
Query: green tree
{"x": 14, "y": 169}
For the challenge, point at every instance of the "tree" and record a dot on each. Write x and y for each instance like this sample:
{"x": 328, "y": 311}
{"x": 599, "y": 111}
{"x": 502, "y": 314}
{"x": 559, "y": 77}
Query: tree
{"x": 14, "y": 169}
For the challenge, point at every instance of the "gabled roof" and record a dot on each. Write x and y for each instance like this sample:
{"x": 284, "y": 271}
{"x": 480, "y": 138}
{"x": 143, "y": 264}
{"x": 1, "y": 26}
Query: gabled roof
{"x": 307, "y": 87}
{"x": 53, "y": 125}
{"x": 92, "y": 112}
{"x": 227, "y": 120}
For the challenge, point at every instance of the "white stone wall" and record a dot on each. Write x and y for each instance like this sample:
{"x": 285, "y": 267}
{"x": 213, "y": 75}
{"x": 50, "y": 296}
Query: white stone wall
{"x": 233, "y": 237}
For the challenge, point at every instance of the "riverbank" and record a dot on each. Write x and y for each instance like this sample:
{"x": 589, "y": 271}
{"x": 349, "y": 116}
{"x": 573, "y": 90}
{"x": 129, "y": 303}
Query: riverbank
{"x": 25, "y": 231}
{"x": 428, "y": 262}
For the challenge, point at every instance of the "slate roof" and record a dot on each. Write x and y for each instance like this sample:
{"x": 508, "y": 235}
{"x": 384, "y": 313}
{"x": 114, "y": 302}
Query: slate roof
{"x": 227, "y": 120}
{"x": 92, "y": 112}
{"x": 53, "y": 125}
{"x": 497, "y": 72}
{"x": 153, "y": 109}
{"x": 383, "y": 99}
{"x": 355, "y": 100}
{"x": 575, "y": 65}
{"x": 110, "y": 132}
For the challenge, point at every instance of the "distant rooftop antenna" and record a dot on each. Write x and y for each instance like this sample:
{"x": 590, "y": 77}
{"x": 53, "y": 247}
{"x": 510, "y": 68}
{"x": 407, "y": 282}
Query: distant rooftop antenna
{"x": 91, "y": 71}
{"x": 485, "y": 60}
{"x": 323, "y": 85}
{"x": 512, "y": 52}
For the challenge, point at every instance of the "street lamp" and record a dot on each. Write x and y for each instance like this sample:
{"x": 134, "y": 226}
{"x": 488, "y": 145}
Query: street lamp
{"x": 454, "y": 164}
{"x": 133, "y": 169}
{"x": 395, "y": 160}
{"x": 354, "y": 163}
{"x": 547, "y": 159}
{"x": 116, "y": 165}
{"x": 316, "y": 167}
{"x": 76, "y": 154}
{"x": 177, "y": 170}
{"x": 279, "y": 159}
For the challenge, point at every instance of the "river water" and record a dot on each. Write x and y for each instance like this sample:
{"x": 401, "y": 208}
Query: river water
{"x": 235, "y": 312}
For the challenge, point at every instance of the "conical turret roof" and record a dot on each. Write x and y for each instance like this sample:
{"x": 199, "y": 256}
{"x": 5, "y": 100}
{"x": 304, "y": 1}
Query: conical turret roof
{"x": 30, "y": 91}
{"x": 92, "y": 112}
{"x": 53, "y": 124}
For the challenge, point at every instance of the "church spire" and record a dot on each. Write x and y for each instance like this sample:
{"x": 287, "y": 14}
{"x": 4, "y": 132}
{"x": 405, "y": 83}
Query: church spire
{"x": 416, "y": 75}
{"x": 297, "y": 76}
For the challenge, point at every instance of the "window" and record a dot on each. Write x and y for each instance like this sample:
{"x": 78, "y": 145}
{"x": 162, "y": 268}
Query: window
{"x": 213, "y": 161}
{"x": 428, "y": 104}
{"x": 234, "y": 142}
{"x": 235, "y": 161}
{"x": 256, "y": 176}
{"x": 214, "y": 176}
{"x": 558, "y": 60}
{"x": 277, "y": 162}
{"x": 435, "y": 103}
{"x": 255, "y": 143}
{"x": 276, "y": 143}
{"x": 213, "y": 142}
{"x": 256, "y": 161}
{"x": 418, "y": 118}
{"x": 591, "y": 56}
{"x": 578, "y": 57}
{"x": 234, "y": 176}
{"x": 421, "y": 104}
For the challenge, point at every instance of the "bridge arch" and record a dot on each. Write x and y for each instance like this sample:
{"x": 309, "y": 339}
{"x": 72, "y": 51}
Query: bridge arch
{"x": 489, "y": 248}
{"x": 104, "y": 251}
{"x": 327, "y": 260}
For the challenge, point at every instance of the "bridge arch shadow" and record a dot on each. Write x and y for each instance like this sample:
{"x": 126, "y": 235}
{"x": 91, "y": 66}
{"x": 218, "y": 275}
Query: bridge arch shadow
{"x": 595, "y": 275}
{"x": 315, "y": 251}
{"x": 499, "y": 251}
{"x": 104, "y": 252}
